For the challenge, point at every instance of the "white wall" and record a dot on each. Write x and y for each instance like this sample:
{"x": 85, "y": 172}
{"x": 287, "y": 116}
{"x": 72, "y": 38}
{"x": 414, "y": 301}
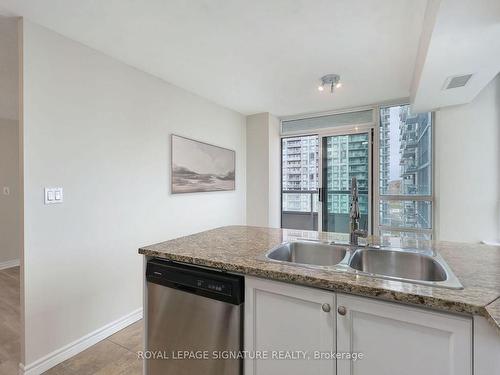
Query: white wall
{"x": 467, "y": 169}
{"x": 10, "y": 225}
{"x": 257, "y": 171}
{"x": 100, "y": 129}
{"x": 274, "y": 172}
{"x": 263, "y": 170}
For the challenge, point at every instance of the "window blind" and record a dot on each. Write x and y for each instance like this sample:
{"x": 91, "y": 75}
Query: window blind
{"x": 312, "y": 124}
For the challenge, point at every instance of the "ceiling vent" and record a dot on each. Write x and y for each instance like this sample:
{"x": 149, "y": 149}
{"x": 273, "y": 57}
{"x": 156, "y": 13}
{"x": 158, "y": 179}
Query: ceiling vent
{"x": 456, "y": 81}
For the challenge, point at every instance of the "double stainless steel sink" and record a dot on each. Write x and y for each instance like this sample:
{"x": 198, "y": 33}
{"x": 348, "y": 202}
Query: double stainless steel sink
{"x": 406, "y": 265}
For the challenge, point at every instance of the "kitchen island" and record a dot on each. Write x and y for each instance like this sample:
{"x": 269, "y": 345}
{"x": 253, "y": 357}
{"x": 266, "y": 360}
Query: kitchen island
{"x": 240, "y": 249}
{"x": 432, "y": 312}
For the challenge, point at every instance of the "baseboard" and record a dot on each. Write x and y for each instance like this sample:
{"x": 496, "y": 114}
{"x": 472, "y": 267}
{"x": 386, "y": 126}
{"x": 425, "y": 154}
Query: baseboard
{"x": 9, "y": 264}
{"x": 60, "y": 355}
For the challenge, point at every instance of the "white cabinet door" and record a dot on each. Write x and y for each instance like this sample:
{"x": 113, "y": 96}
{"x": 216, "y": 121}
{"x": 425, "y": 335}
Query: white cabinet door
{"x": 486, "y": 347}
{"x": 397, "y": 339}
{"x": 291, "y": 319}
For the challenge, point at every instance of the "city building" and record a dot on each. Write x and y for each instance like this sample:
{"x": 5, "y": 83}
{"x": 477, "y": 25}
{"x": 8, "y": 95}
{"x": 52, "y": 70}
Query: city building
{"x": 405, "y": 170}
{"x": 385, "y": 157}
{"x": 300, "y": 163}
{"x": 347, "y": 157}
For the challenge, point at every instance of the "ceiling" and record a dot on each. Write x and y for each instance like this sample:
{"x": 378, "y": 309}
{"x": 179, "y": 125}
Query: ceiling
{"x": 252, "y": 56}
{"x": 460, "y": 37}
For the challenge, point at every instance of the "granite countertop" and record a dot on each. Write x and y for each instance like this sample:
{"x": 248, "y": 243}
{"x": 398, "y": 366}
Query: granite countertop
{"x": 240, "y": 249}
{"x": 493, "y": 313}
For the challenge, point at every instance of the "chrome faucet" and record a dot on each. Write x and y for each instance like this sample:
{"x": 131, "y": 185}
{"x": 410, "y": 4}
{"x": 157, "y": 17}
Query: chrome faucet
{"x": 354, "y": 215}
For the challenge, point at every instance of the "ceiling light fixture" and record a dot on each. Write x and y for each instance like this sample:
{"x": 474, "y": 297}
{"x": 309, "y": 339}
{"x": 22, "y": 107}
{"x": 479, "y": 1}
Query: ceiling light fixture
{"x": 332, "y": 80}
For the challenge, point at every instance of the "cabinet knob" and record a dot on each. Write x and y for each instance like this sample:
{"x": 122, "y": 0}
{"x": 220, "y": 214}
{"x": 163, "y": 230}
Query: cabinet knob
{"x": 342, "y": 310}
{"x": 326, "y": 307}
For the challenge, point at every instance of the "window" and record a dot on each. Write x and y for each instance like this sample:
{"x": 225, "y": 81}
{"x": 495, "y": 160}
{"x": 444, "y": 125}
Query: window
{"x": 300, "y": 183}
{"x": 405, "y": 170}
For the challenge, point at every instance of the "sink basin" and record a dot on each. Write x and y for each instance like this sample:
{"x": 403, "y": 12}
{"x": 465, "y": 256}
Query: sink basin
{"x": 309, "y": 253}
{"x": 399, "y": 264}
{"x": 404, "y": 265}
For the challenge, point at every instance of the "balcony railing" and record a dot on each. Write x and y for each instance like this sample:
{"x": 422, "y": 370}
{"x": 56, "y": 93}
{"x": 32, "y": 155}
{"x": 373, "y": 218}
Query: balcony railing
{"x": 299, "y": 209}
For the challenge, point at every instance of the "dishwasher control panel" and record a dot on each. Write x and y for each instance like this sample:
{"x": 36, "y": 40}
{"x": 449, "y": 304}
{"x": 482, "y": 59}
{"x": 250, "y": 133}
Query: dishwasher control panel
{"x": 209, "y": 283}
{"x": 216, "y": 286}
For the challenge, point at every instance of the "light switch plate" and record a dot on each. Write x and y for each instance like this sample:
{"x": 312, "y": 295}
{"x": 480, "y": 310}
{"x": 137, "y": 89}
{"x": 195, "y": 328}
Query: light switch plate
{"x": 6, "y": 190}
{"x": 53, "y": 195}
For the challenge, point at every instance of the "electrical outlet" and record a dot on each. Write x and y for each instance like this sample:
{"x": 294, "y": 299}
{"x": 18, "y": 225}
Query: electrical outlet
{"x": 6, "y": 190}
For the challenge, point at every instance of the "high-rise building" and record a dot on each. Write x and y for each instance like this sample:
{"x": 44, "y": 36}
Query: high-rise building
{"x": 347, "y": 157}
{"x": 405, "y": 170}
{"x": 415, "y": 165}
{"x": 385, "y": 148}
{"x": 385, "y": 157}
{"x": 300, "y": 165}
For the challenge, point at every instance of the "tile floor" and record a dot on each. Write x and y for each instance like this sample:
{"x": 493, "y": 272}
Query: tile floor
{"x": 116, "y": 355}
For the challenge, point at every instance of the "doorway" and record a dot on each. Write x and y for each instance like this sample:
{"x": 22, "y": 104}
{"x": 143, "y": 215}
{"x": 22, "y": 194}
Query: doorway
{"x": 10, "y": 199}
{"x": 345, "y": 155}
{"x": 316, "y": 178}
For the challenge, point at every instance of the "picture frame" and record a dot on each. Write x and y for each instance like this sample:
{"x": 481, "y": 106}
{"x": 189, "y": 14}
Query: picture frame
{"x": 198, "y": 166}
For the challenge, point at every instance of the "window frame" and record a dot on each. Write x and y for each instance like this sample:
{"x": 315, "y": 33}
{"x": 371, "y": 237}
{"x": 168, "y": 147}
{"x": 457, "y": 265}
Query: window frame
{"x": 377, "y": 197}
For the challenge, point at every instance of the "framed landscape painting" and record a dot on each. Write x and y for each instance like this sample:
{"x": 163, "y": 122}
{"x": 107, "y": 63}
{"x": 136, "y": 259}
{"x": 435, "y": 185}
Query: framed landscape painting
{"x": 200, "y": 167}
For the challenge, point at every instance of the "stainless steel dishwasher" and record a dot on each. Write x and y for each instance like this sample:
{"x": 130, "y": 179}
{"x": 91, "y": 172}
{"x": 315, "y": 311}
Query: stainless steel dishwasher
{"x": 194, "y": 316}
